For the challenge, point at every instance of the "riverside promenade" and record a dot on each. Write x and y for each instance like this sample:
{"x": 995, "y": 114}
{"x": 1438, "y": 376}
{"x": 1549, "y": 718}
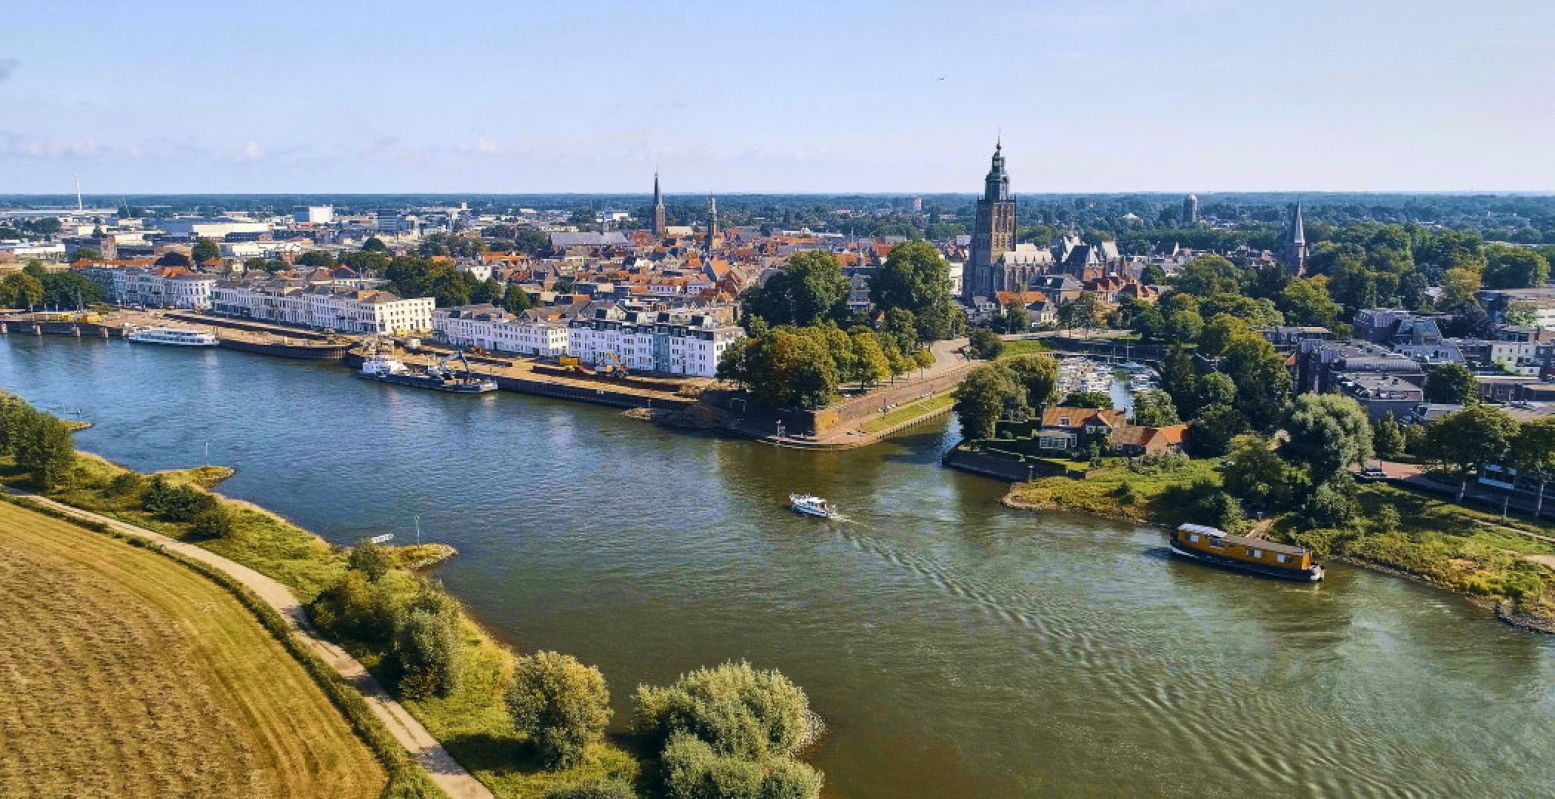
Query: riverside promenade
{"x": 427, "y": 750}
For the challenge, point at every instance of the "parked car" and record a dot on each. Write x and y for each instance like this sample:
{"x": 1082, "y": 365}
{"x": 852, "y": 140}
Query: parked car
{"x": 1371, "y": 474}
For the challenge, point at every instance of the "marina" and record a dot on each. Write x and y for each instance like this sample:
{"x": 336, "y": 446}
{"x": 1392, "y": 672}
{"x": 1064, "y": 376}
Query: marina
{"x": 955, "y": 647}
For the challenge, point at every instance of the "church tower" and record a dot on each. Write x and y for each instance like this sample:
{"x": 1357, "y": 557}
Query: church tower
{"x": 660, "y": 229}
{"x": 712, "y": 221}
{"x": 1190, "y": 210}
{"x": 1294, "y": 255}
{"x": 994, "y": 232}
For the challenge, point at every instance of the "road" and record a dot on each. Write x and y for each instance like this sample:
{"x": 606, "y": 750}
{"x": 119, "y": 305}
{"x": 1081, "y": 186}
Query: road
{"x": 444, "y": 770}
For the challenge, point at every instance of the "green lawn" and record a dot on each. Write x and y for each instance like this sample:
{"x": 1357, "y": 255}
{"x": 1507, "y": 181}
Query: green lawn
{"x": 907, "y": 413}
{"x": 1102, "y": 493}
{"x": 1024, "y": 346}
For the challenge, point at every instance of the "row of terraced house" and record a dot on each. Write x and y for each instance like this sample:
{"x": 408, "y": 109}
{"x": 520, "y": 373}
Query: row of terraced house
{"x": 679, "y": 342}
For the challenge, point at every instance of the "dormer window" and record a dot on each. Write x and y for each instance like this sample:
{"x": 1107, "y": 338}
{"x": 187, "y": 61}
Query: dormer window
{"x": 1063, "y": 421}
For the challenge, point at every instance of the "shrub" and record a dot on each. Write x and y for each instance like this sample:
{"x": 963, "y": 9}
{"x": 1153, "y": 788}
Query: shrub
{"x": 213, "y": 522}
{"x": 428, "y": 647}
{"x": 41, "y": 444}
{"x": 1332, "y": 504}
{"x": 358, "y": 610}
{"x": 1387, "y": 519}
{"x": 1125, "y": 493}
{"x": 371, "y": 559}
{"x": 178, "y": 503}
{"x": 985, "y": 344}
{"x": 597, "y": 788}
{"x": 561, "y": 704}
{"x": 125, "y": 484}
{"x": 692, "y": 770}
{"x": 734, "y": 708}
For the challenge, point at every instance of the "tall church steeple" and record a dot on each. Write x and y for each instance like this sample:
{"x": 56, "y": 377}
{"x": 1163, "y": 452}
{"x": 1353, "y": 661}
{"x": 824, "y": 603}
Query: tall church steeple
{"x": 660, "y": 229}
{"x": 993, "y": 234}
{"x": 712, "y": 221}
{"x": 1295, "y": 251}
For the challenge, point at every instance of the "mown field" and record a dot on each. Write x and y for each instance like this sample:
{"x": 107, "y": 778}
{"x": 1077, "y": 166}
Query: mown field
{"x": 127, "y": 674}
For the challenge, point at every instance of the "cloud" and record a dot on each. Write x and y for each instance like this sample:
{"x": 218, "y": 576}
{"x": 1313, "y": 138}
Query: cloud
{"x": 7, "y": 66}
{"x": 250, "y": 152}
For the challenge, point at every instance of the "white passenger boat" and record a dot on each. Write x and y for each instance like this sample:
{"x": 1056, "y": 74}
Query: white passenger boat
{"x": 174, "y": 337}
{"x": 812, "y": 506}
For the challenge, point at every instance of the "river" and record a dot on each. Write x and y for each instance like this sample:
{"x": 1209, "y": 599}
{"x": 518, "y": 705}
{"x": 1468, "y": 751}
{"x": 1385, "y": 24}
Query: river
{"x": 956, "y": 648}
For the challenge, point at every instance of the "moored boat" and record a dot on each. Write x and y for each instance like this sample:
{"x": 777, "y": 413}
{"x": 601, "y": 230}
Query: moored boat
{"x": 173, "y": 337}
{"x": 384, "y": 368}
{"x": 812, "y": 506}
{"x": 1215, "y": 546}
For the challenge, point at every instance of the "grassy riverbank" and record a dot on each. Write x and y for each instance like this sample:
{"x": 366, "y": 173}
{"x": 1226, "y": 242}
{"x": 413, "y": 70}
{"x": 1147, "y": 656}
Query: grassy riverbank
{"x": 1452, "y": 547}
{"x": 908, "y": 412}
{"x": 144, "y": 678}
{"x": 472, "y": 722}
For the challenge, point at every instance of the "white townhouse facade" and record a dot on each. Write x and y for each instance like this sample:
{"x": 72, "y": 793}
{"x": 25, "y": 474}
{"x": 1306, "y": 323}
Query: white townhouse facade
{"x": 158, "y": 288}
{"x": 667, "y": 342}
{"x": 343, "y": 309}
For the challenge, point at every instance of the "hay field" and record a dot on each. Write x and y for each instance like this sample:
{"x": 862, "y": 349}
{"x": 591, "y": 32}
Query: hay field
{"x": 124, "y": 673}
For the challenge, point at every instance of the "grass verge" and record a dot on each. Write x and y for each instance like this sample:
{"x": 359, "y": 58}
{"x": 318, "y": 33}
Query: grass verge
{"x": 907, "y": 413}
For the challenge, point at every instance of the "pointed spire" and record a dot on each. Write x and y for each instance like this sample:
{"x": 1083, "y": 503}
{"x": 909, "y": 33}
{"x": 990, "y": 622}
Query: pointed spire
{"x": 1298, "y": 230}
{"x": 658, "y": 197}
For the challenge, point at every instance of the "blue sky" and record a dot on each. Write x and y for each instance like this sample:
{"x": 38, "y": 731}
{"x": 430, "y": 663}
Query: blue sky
{"x": 1140, "y": 95}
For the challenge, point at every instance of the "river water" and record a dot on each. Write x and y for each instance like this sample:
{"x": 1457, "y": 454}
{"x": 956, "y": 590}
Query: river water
{"x": 956, "y": 648}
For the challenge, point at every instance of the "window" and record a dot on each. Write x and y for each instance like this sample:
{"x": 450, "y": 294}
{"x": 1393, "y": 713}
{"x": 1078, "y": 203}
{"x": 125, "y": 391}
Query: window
{"x": 1279, "y": 558}
{"x": 1063, "y": 421}
{"x": 1257, "y": 553}
{"x": 1194, "y": 537}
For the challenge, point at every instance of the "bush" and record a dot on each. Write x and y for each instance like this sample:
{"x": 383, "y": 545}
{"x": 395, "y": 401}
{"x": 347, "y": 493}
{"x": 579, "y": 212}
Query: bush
{"x": 734, "y": 708}
{"x": 428, "y": 647}
{"x": 985, "y": 344}
{"x": 561, "y": 704}
{"x": 357, "y": 610}
{"x": 213, "y": 522}
{"x": 598, "y": 788}
{"x": 692, "y": 770}
{"x": 40, "y": 443}
{"x": 178, "y": 503}
{"x": 1387, "y": 519}
{"x": 1125, "y": 493}
{"x": 1332, "y": 504}
{"x": 126, "y": 484}
{"x": 371, "y": 559}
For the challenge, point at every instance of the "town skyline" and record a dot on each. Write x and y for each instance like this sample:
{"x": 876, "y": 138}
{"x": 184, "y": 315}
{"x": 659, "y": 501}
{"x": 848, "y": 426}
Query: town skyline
{"x": 1139, "y": 97}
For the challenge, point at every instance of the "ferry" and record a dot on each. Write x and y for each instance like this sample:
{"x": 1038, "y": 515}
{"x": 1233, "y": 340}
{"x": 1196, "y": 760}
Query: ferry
{"x": 1215, "y": 546}
{"x": 388, "y": 369}
{"x": 173, "y": 337}
{"x": 812, "y": 506}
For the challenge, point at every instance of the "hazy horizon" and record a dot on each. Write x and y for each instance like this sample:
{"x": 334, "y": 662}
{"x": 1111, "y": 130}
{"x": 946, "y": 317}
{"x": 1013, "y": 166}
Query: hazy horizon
{"x": 1138, "y": 97}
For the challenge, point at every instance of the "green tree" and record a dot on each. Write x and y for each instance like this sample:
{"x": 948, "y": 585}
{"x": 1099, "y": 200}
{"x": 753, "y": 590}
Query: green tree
{"x": 69, "y": 290}
{"x": 984, "y": 343}
{"x": 810, "y": 290}
{"x": 1332, "y": 503}
{"x": 1459, "y": 287}
{"x": 737, "y": 710}
{"x": 783, "y": 366}
{"x": 1154, "y": 408}
{"x": 1211, "y": 274}
{"x": 429, "y": 647}
{"x": 1510, "y": 267}
{"x": 989, "y": 393}
{"x": 1470, "y": 438}
{"x": 902, "y": 326}
{"x": 317, "y": 258}
{"x": 916, "y": 278}
{"x": 1257, "y": 475}
{"x": 374, "y": 244}
{"x": 1533, "y": 454}
{"x": 1252, "y": 312}
{"x": 514, "y": 300}
{"x": 1210, "y": 434}
{"x": 1087, "y": 399}
{"x": 1326, "y": 433}
{"x": 20, "y": 290}
{"x": 204, "y": 250}
{"x": 1084, "y": 312}
{"x": 560, "y": 704}
{"x": 869, "y": 359}
{"x": 694, "y": 770}
{"x": 1450, "y": 383}
{"x": 371, "y": 559}
{"x": 1388, "y": 437}
{"x": 1037, "y": 374}
{"x": 1261, "y": 379}
{"x": 41, "y": 446}
{"x": 1305, "y": 301}
{"x": 1183, "y": 327}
